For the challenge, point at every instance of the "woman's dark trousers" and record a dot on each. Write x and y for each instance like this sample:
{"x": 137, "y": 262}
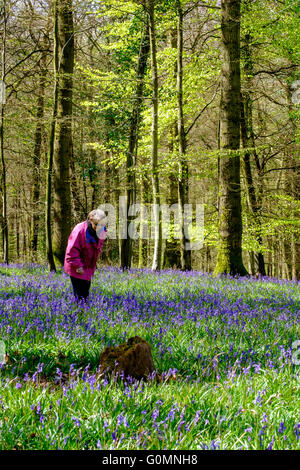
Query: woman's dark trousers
{"x": 81, "y": 288}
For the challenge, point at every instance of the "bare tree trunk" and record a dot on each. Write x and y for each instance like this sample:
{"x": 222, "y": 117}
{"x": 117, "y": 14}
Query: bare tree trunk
{"x": 50, "y": 256}
{"x": 183, "y": 180}
{"x": 156, "y": 265}
{"x": 295, "y": 259}
{"x": 126, "y": 243}
{"x": 35, "y": 194}
{"x": 17, "y": 225}
{"x": 93, "y": 178}
{"x": 63, "y": 130}
{"x": 116, "y": 187}
{"x": 229, "y": 258}
{"x": 79, "y": 210}
{"x": 143, "y": 241}
{"x": 254, "y": 200}
{"x": 292, "y": 188}
{"x": 3, "y": 163}
{"x": 108, "y": 178}
{"x": 207, "y": 259}
{"x": 172, "y": 254}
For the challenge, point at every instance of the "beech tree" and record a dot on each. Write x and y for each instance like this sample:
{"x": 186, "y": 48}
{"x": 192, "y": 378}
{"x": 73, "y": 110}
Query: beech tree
{"x": 126, "y": 243}
{"x": 63, "y": 129}
{"x": 3, "y": 162}
{"x": 157, "y": 256}
{"x": 229, "y": 258}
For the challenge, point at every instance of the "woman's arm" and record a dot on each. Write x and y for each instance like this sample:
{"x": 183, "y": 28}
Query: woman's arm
{"x": 73, "y": 251}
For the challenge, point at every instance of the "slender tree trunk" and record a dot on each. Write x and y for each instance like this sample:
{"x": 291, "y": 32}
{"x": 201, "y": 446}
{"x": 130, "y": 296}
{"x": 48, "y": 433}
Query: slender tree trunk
{"x": 229, "y": 258}
{"x": 287, "y": 259}
{"x": 145, "y": 203}
{"x": 273, "y": 259}
{"x": 50, "y": 256}
{"x": 17, "y": 225}
{"x": 4, "y": 191}
{"x": 254, "y": 200}
{"x": 156, "y": 264}
{"x": 295, "y": 259}
{"x": 35, "y": 194}
{"x": 105, "y": 195}
{"x": 126, "y": 244}
{"x": 93, "y": 178}
{"x": 208, "y": 259}
{"x": 78, "y": 208}
{"x": 183, "y": 182}
{"x": 292, "y": 188}
{"x": 3, "y": 163}
{"x": 116, "y": 185}
{"x": 172, "y": 254}
{"x": 63, "y": 130}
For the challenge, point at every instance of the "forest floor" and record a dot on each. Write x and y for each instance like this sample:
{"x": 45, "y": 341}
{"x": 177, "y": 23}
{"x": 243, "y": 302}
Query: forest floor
{"x": 226, "y": 349}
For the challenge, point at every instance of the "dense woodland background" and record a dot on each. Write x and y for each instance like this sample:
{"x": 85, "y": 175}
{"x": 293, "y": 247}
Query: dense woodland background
{"x": 110, "y": 98}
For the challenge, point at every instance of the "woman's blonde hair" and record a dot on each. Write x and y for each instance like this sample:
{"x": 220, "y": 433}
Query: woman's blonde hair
{"x": 97, "y": 216}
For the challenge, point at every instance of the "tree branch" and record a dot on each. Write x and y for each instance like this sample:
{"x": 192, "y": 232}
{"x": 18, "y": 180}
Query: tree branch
{"x": 283, "y": 168}
{"x": 275, "y": 72}
{"x": 24, "y": 59}
{"x": 201, "y": 112}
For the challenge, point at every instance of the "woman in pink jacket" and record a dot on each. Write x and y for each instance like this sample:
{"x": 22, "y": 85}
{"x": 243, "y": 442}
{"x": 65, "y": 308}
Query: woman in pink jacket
{"x": 84, "y": 246}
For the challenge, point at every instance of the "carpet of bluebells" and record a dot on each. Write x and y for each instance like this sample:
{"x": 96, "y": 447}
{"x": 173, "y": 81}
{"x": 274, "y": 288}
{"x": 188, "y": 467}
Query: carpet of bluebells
{"x": 224, "y": 347}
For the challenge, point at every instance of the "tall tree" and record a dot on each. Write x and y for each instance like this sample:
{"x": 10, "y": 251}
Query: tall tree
{"x": 156, "y": 264}
{"x": 254, "y": 195}
{"x": 126, "y": 243}
{"x": 49, "y": 246}
{"x": 3, "y": 162}
{"x": 145, "y": 198}
{"x": 38, "y": 137}
{"x": 63, "y": 130}
{"x": 229, "y": 258}
{"x": 292, "y": 188}
{"x": 183, "y": 183}
{"x": 172, "y": 254}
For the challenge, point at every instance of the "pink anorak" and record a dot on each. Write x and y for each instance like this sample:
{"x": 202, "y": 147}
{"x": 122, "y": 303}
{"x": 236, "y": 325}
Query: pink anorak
{"x": 82, "y": 252}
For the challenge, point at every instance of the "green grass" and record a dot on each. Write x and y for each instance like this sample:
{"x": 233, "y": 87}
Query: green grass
{"x": 229, "y": 414}
{"x": 222, "y": 345}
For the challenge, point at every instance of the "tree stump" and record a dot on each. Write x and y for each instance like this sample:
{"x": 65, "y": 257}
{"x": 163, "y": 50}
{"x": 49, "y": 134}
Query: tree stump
{"x": 133, "y": 359}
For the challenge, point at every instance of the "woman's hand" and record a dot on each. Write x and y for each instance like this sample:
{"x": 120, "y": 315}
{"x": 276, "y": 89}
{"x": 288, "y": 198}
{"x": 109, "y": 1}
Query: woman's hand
{"x": 79, "y": 270}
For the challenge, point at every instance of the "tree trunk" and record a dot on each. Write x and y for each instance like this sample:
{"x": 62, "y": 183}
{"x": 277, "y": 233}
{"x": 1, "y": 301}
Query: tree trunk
{"x": 172, "y": 253}
{"x": 156, "y": 264}
{"x": 207, "y": 259}
{"x": 126, "y": 243}
{"x": 292, "y": 188}
{"x": 254, "y": 201}
{"x": 50, "y": 256}
{"x": 17, "y": 226}
{"x": 183, "y": 182}
{"x": 93, "y": 178}
{"x": 107, "y": 183}
{"x": 78, "y": 208}
{"x": 295, "y": 259}
{"x": 3, "y": 163}
{"x": 63, "y": 130}
{"x": 143, "y": 241}
{"x": 35, "y": 194}
{"x": 229, "y": 258}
